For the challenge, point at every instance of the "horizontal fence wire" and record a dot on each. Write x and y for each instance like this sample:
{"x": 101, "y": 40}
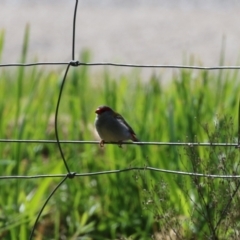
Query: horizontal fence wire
{"x": 77, "y": 63}
{"x": 69, "y": 174}
{"x": 188, "y": 144}
{"x": 73, "y": 174}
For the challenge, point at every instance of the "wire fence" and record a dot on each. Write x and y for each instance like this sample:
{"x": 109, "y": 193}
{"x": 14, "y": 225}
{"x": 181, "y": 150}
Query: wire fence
{"x": 69, "y": 174}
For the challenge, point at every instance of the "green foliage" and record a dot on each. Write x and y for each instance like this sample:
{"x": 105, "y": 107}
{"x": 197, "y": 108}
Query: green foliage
{"x": 193, "y": 106}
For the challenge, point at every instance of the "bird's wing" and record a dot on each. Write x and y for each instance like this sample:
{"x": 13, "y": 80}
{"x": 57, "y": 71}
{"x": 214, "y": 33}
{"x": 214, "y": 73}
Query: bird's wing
{"x": 122, "y": 121}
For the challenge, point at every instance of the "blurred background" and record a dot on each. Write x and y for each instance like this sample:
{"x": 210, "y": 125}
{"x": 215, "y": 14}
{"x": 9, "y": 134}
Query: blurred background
{"x": 143, "y": 31}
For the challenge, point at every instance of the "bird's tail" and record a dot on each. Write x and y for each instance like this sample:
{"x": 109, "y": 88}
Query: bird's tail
{"x": 134, "y": 138}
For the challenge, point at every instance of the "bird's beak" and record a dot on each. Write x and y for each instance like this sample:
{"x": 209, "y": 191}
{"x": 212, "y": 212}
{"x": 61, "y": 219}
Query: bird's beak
{"x": 97, "y": 111}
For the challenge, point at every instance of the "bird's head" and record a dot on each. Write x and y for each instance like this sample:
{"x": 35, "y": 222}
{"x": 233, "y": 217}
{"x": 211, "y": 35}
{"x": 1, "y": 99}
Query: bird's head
{"x": 103, "y": 109}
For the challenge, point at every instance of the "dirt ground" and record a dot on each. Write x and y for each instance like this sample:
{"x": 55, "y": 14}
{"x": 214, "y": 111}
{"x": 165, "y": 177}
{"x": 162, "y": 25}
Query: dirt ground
{"x": 128, "y": 34}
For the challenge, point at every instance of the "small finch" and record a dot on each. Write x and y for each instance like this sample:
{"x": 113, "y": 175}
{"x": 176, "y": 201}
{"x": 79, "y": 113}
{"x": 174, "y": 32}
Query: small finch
{"x": 112, "y": 127}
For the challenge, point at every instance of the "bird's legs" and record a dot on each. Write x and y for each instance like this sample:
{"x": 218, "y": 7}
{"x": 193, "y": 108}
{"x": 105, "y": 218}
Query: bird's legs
{"x": 101, "y": 143}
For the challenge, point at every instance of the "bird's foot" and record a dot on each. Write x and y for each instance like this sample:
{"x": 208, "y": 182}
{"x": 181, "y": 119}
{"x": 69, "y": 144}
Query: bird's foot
{"x": 120, "y": 144}
{"x": 101, "y": 143}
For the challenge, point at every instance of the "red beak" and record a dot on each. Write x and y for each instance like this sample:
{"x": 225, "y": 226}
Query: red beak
{"x": 98, "y": 111}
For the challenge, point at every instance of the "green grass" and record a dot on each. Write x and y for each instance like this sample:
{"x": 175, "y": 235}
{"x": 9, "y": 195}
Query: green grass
{"x": 134, "y": 204}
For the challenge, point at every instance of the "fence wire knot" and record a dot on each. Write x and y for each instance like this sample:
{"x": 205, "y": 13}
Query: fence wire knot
{"x": 74, "y": 63}
{"x": 71, "y": 175}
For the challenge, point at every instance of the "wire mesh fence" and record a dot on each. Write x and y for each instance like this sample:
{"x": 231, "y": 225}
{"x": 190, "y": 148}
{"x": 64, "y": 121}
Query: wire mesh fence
{"x": 70, "y": 174}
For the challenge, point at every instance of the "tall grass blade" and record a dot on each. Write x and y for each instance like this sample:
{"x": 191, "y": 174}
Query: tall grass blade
{"x": 2, "y": 35}
{"x": 239, "y": 123}
{"x": 20, "y": 120}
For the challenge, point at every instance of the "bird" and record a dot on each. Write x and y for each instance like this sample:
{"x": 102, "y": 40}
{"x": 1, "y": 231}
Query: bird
{"x": 112, "y": 127}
